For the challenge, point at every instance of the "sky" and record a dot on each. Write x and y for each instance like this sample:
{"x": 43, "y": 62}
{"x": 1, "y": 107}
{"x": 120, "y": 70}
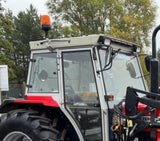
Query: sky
{"x": 21, "y": 5}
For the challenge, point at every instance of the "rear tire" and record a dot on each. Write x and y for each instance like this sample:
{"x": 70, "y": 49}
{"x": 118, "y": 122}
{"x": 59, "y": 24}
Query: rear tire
{"x": 27, "y": 125}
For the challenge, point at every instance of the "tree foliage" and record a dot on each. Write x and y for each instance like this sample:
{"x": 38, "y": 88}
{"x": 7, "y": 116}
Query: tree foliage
{"x": 132, "y": 20}
{"x": 85, "y": 16}
{"x": 6, "y": 47}
{"x": 15, "y": 34}
{"x": 127, "y": 19}
{"x": 27, "y": 28}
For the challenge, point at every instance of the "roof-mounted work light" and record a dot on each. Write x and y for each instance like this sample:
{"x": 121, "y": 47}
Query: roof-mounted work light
{"x": 46, "y": 24}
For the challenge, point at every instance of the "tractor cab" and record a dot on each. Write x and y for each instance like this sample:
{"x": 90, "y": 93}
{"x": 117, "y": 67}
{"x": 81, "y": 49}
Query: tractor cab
{"x": 86, "y": 76}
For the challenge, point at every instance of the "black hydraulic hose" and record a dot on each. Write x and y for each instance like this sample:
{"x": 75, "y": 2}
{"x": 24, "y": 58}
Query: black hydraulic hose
{"x": 118, "y": 111}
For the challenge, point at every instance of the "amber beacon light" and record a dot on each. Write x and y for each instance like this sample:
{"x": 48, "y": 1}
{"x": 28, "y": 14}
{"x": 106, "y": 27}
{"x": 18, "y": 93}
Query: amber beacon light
{"x": 45, "y": 24}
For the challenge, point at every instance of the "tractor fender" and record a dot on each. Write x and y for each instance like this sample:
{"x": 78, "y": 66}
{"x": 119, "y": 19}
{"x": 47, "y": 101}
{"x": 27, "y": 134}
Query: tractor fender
{"x": 44, "y": 100}
{"x": 28, "y": 101}
{"x": 46, "y": 104}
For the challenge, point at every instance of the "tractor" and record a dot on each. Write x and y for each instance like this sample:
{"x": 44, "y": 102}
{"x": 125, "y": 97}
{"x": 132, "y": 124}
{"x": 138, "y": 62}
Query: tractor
{"x": 88, "y": 88}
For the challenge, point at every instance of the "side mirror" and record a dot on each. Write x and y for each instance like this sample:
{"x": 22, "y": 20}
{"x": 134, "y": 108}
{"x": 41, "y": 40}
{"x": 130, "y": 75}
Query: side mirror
{"x": 131, "y": 70}
{"x": 148, "y": 62}
{"x": 108, "y": 55}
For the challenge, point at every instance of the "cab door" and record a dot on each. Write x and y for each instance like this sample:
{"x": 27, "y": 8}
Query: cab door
{"x": 81, "y": 94}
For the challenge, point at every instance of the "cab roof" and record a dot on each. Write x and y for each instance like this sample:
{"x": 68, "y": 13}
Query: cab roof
{"x": 80, "y": 42}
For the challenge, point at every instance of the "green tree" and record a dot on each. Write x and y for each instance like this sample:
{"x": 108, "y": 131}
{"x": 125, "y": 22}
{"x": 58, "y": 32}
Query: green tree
{"x": 6, "y": 47}
{"x": 85, "y": 16}
{"x": 27, "y": 28}
{"x": 56, "y": 29}
{"x": 132, "y": 20}
{"x": 127, "y": 19}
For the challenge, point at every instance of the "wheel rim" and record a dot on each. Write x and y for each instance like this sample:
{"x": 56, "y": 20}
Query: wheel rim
{"x": 17, "y": 136}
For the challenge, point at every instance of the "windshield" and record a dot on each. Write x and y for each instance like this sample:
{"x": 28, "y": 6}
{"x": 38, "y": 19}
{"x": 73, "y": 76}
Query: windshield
{"x": 43, "y": 75}
{"x": 124, "y": 72}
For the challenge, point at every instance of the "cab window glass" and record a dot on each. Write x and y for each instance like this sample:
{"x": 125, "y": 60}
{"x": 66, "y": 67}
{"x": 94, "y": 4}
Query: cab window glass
{"x": 43, "y": 76}
{"x": 79, "y": 78}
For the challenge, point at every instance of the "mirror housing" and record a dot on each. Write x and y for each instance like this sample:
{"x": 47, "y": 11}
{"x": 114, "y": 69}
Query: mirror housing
{"x": 131, "y": 70}
{"x": 148, "y": 62}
